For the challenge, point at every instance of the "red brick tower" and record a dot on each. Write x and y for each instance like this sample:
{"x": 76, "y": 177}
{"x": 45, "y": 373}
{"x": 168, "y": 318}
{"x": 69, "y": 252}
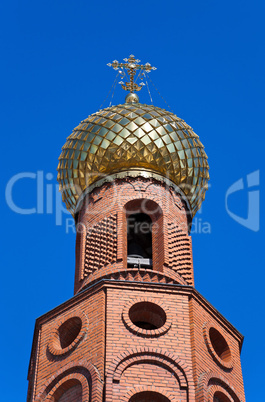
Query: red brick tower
{"x": 136, "y": 329}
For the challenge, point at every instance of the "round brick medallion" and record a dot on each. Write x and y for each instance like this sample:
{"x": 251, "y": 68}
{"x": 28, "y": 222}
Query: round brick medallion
{"x": 218, "y": 346}
{"x": 146, "y": 318}
{"x": 67, "y": 334}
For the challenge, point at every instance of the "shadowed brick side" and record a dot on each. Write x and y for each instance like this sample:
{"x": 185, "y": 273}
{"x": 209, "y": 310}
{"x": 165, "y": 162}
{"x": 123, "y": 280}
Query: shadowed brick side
{"x": 205, "y": 369}
{"x": 79, "y": 254}
{"x": 180, "y": 252}
{"x": 90, "y": 348}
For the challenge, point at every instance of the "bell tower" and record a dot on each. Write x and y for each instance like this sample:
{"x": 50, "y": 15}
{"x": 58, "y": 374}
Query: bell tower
{"x": 136, "y": 329}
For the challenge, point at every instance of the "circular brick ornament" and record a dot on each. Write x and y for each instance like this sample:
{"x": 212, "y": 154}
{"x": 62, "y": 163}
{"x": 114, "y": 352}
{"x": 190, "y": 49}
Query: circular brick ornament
{"x": 218, "y": 346}
{"x": 67, "y": 333}
{"x": 143, "y": 312}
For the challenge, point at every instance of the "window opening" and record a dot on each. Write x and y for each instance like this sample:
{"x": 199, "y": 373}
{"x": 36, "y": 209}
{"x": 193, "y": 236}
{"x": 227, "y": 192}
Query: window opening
{"x": 139, "y": 240}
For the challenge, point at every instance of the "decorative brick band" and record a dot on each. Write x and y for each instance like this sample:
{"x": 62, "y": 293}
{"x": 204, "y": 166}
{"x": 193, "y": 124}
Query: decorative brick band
{"x": 54, "y": 344}
{"x": 157, "y": 356}
{"x": 134, "y": 174}
{"x": 145, "y": 356}
{"x": 134, "y": 274}
{"x": 132, "y": 356}
{"x": 84, "y": 372}
{"x": 228, "y": 365}
{"x": 152, "y": 333}
{"x": 66, "y": 383}
{"x": 217, "y": 388}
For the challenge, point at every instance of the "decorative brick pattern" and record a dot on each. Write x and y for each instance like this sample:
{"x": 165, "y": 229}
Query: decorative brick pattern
{"x": 117, "y": 272}
{"x": 83, "y": 373}
{"x": 180, "y": 252}
{"x": 77, "y": 380}
{"x": 101, "y": 245}
{"x": 117, "y": 200}
{"x": 130, "y": 370}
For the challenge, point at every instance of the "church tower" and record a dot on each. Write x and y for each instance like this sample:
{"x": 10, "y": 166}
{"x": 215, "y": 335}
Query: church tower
{"x": 136, "y": 329}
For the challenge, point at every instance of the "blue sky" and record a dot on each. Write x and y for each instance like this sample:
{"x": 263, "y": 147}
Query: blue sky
{"x": 210, "y": 69}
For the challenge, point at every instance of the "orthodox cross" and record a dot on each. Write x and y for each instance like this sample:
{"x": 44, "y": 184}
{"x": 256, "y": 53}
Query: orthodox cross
{"x": 131, "y": 65}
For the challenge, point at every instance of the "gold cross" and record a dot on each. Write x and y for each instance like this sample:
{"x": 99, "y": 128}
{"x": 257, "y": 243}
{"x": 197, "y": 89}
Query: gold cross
{"x": 131, "y": 65}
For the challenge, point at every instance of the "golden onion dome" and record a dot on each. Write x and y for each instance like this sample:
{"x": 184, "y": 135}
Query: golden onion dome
{"x": 128, "y": 137}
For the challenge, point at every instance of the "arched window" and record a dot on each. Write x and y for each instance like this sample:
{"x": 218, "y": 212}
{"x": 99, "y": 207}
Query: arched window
{"x": 139, "y": 240}
{"x": 145, "y": 234}
{"x": 148, "y": 396}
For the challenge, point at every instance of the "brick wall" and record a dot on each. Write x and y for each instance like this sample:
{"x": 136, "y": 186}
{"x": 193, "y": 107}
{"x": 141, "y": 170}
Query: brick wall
{"x": 226, "y": 373}
{"x": 55, "y": 361}
{"x": 161, "y": 361}
{"x": 108, "y": 206}
{"x": 115, "y": 357}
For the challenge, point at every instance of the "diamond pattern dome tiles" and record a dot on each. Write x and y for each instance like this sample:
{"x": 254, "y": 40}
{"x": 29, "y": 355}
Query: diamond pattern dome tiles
{"x": 128, "y": 136}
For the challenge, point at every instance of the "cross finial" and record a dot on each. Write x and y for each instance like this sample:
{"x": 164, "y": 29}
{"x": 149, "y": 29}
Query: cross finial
{"x": 131, "y": 65}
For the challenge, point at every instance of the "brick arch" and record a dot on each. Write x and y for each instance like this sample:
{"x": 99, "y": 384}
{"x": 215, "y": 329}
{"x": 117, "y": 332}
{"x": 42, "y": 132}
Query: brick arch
{"x": 84, "y": 372}
{"x": 149, "y": 357}
{"x": 144, "y": 204}
{"x": 146, "y": 388}
{"x": 215, "y": 388}
{"x": 151, "y": 208}
{"x": 67, "y": 382}
{"x": 206, "y": 385}
{"x": 162, "y": 356}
